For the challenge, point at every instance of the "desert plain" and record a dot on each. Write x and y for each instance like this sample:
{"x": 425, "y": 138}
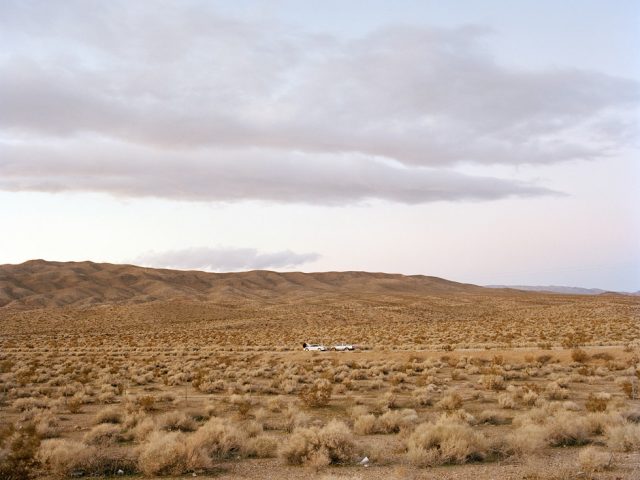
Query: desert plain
{"x": 122, "y": 371}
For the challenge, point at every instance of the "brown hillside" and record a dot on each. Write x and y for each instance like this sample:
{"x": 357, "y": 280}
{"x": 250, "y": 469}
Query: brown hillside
{"x": 42, "y": 284}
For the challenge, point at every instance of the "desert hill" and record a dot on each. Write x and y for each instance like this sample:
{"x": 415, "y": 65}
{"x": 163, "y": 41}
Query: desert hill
{"x": 559, "y": 289}
{"x": 44, "y": 284}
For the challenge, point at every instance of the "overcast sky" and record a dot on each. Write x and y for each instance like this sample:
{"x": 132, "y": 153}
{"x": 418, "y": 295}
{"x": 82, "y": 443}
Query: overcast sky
{"x": 490, "y": 142}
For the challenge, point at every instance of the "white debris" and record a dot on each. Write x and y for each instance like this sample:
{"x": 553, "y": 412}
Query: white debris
{"x": 364, "y": 461}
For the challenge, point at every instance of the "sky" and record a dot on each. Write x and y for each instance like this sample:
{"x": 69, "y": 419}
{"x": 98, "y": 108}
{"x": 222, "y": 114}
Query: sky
{"x": 490, "y": 142}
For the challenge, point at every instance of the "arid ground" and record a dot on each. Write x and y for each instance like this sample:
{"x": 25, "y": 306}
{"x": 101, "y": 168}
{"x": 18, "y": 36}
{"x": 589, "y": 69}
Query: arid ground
{"x": 112, "y": 370}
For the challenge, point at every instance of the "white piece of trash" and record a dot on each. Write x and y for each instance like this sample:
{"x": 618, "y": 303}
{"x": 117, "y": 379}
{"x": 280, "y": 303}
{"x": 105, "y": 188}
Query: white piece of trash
{"x": 364, "y": 461}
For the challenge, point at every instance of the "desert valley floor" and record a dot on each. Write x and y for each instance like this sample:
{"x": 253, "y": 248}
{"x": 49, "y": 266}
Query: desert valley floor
{"x": 115, "y": 370}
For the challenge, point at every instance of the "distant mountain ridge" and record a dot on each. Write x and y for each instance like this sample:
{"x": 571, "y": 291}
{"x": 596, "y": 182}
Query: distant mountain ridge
{"x": 561, "y": 289}
{"x": 44, "y": 284}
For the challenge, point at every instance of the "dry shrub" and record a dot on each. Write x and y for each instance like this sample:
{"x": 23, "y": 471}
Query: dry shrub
{"x": 630, "y": 389}
{"x": 169, "y": 454}
{"x": 336, "y": 438}
{"x": 557, "y": 427}
{"x": 176, "y": 421}
{"x": 18, "y": 451}
{"x": 318, "y": 394}
{"x": 299, "y": 446}
{"x": 506, "y": 401}
{"x": 146, "y": 402}
{"x": 252, "y": 428}
{"x": 313, "y": 446}
{"x": 29, "y": 403}
{"x": 451, "y": 401}
{"x": 243, "y": 404}
{"x": 446, "y": 441}
{"x": 527, "y": 439}
{"x": 596, "y": 403}
{"x": 262, "y": 446}
{"x": 394, "y": 420}
{"x": 294, "y": 418}
{"x": 571, "y": 406}
{"x": 492, "y": 417}
{"x": 556, "y": 392}
{"x": 110, "y": 415}
{"x": 493, "y": 382}
{"x": 219, "y": 438}
{"x": 365, "y": 424}
{"x": 276, "y": 404}
{"x": 388, "y": 400}
{"x": 103, "y": 434}
{"x": 422, "y": 397}
{"x": 66, "y": 457}
{"x": 46, "y": 425}
{"x": 143, "y": 428}
{"x": 623, "y": 438}
{"x": 73, "y": 404}
{"x": 568, "y": 428}
{"x": 592, "y": 459}
{"x": 579, "y": 355}
{"x": 530, "y": 397}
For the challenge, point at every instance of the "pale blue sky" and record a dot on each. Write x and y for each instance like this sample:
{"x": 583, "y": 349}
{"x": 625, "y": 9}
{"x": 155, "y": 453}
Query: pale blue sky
{"x": 488, "y": 142}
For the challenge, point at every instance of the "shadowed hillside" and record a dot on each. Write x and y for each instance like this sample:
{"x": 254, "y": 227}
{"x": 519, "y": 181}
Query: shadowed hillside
{"x": 42, "y": 284}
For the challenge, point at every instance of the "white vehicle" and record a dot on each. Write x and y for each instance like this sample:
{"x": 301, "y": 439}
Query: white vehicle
{"x": 343, "y": 347}
{"x": 312, "y": 347}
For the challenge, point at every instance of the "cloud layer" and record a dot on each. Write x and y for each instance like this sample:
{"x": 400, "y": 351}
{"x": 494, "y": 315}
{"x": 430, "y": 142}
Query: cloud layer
{"x": 224, "y": 259}
{"x": 169, "y": 99}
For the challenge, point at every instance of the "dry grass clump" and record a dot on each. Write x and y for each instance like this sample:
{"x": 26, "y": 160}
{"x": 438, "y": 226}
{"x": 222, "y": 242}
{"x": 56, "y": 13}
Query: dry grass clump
{"x": 365, "y": 424}
{"x": 556, "y": 392}
{"x": 103, "y": 434}
{"x": 592, "y": 459}
{"x": 395, "y": 420}
{"x": 506, "y": 401}
{"x": 493, "y": 382}
{"x": 623, "y": 438}
{"x": 568, "y": 428}
{"x": 170, "y": 454}
{"x": 550, "y": 425}
{"x": 449, "y": 440}
{"x": 47, "y": 425}
{"x": 332, "y": 444}
{"x": 318, "y": 394}
{"x": 18, "y": 449}
{"x": 451, "y": 401}
{"x": 110, "y": 415}
{"x": 142, "y": 428}
{"x": 579, "y": 355}
{"x": 422, "y": 397}
{"x": 597, "y": 403}
{"x": 492, "y": 417}
{"x": 291, "y": 419}
{"x": 176, "y": 421}
{"x": 73, "y": 404}
{"x": 262, "y": 446}
{"x": 527, "y": 439}
{"x": 66, "y": 457}
{"x": 219, "y": 438}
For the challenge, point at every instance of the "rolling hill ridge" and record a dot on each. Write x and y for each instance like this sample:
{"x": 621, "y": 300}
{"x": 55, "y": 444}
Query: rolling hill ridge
{"x": 45, "y": 284}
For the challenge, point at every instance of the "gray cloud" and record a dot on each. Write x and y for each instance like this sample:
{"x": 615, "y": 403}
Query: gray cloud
{"x": 230, "y": 175}
{"x": 169, "y": 99}
{"x": 224, "y": 259}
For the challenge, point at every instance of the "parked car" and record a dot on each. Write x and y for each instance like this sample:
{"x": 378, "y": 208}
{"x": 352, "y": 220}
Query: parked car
{"x": 342, "y": 347}
{"x": 312, "y": 347}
